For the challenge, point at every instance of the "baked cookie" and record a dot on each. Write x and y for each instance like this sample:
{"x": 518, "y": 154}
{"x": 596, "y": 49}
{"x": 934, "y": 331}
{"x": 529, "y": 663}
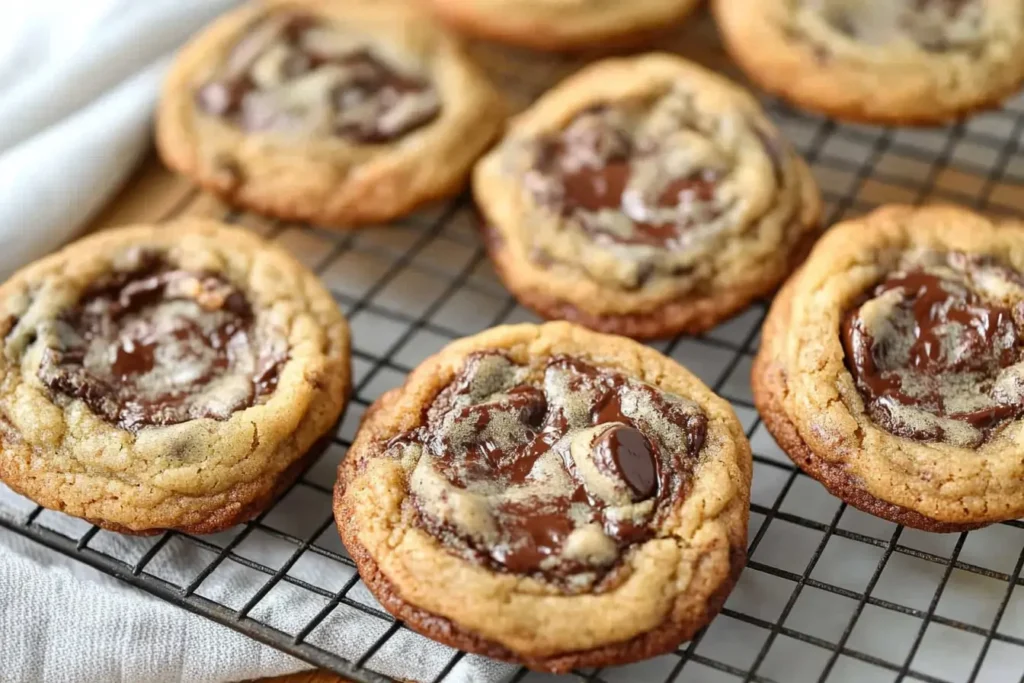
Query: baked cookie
{"x": 563, "y": 24}
{"x": 339, "y": 113}
{"x": 645, "y": 197}
{"x": 892, "y": 367}
{"x": 882, "y": 61}
{"x": 166, "y": 377}
{"x": 549, "y": 495}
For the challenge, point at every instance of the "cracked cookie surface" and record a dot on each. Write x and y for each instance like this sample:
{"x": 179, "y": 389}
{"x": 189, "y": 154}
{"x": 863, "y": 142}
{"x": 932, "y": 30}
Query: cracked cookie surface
{"x": 335, "y": 113}
{"x": 563, "y": 24}
{"x": 556, "y": 476}
{"x": 883, "y": 61}
{"x": 166, "y": 377}
{"x": 892, "y": 366}
{"x": 645, "y": 197}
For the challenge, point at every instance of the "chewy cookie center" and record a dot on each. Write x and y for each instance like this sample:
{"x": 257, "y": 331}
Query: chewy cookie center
{"x": 932, "y": 25}
{"x": 294, "y": 73}
{"x": 936, "y": 348}
{"x": 556, "y": 477}
{"x": 160, "y": 348}
{"x": 630, "y": 180}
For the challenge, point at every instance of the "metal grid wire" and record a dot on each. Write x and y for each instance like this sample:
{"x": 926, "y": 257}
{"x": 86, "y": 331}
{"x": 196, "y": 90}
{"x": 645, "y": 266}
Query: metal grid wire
{"x": 830, "y": 594}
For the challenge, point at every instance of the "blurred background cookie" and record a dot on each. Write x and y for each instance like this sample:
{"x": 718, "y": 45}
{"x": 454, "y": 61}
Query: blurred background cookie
{"x": 563, "y": 24}
{"x": 166, "y": 378}
{"x": 338, "y": 113}
{"x": 883, "y": 61}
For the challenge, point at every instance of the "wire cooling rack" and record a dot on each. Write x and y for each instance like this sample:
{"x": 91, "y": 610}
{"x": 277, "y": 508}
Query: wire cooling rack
{"x": 829, "y": 594}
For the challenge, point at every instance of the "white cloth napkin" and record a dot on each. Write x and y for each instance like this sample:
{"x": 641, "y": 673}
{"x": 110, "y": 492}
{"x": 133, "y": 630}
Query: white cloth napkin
{"x": 78, "y": 82}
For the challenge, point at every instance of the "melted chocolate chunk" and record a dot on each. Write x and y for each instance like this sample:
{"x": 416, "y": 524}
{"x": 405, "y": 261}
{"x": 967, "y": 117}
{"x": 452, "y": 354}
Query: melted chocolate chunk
{"x": 556, "y": 479}
{"x": 624, "y": 452}
{"x": 588, "y": 169}
{"x": 934, "y": 357}
{"x": 159, "y": 347}
{"x": 292, "y": 73}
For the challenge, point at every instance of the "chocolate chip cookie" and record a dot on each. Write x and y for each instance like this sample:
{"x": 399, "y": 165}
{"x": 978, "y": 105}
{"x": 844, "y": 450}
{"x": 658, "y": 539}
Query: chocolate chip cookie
{"x": 560, "y": 25}
{"x": 166, "y": 377}
{"x": 892, "y": 367}
{"x": 884, "y": 61}
{"x": 341, "y": 113}
{"x": 645, "y": 197}
{"x": 549, "y": 495}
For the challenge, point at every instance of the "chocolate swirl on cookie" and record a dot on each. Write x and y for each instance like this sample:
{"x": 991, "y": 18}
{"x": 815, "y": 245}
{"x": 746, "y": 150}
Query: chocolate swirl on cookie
{"x": 656, "y": 186}
{"x": 624, "y": 190}
{"x": 293, "y": 73}
{"x": 160, "y": 346}
{"x": 555, "y": 477}
{"x": 937, "y": 348}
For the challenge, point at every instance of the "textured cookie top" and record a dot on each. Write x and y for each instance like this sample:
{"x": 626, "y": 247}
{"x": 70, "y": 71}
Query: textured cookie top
{"x": 631, "y": 177}
{"x": 158, "y": 346}
{"x": 898, "y": 348}
{"x": 934, "y": 26}
{"x": 555, "y": 476}
{"x": 295, "y": 73}
{"x": 936, "y": 347}
{"x": 165, "y": 377}
{"x": 637, "y": 182}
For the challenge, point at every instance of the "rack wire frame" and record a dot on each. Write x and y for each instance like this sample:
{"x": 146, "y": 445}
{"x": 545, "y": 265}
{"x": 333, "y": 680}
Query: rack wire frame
{"x": 852, "y": 163}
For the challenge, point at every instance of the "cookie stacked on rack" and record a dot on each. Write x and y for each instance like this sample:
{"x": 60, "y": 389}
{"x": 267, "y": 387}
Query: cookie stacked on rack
{"x": 547, "y": 494}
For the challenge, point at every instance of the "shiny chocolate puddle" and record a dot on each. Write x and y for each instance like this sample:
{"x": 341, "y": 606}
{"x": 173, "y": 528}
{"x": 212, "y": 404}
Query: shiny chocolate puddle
{"x": 935, "y": 349}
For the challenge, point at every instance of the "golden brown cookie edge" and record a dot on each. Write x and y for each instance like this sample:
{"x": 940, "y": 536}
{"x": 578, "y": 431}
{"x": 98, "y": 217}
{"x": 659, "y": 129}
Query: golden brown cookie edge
{"x": 682, "y": 316}
{"x": 536, "y": 36}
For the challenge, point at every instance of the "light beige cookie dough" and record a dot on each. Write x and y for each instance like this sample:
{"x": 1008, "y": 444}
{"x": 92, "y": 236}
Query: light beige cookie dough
{"x": 338, "y": 113}
{"x": 172, "y": 377}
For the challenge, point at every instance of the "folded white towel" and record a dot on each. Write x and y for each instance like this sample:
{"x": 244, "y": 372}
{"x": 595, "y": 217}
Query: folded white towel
{"x": 78, "y": 81}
